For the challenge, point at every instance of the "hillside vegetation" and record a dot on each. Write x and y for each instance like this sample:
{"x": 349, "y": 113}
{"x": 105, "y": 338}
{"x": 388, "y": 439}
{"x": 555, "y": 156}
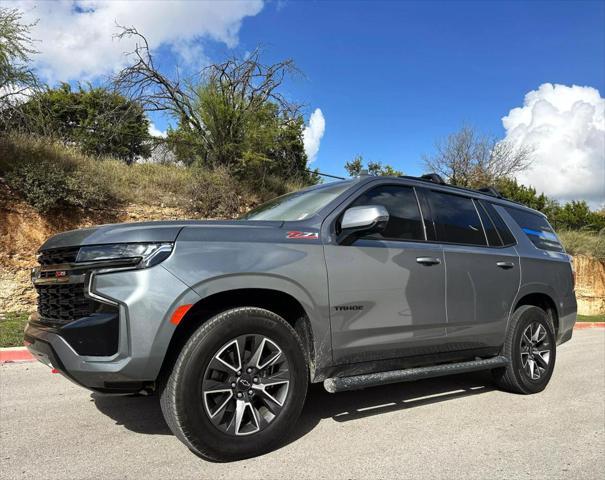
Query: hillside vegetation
{"x": 578, "y": 242}
{"x": 51, "y": 176}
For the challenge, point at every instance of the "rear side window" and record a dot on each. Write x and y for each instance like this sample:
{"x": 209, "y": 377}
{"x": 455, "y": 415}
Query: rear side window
{"x": 456, "y": 219}
{"x": 404, "y": 217}
{"x": 537, "y": 229}
{"x": 504, "y": 233}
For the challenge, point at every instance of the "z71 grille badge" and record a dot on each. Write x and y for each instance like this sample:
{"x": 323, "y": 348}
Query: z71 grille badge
{"x": 303, "y": 235}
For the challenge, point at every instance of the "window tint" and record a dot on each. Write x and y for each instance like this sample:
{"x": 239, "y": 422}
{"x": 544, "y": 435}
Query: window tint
{"x": 404, "y": 217}
{"x": 456, "y": 219}
{"x": 505, "y": 234}
{"x": 493, "y": 239}
{"x": 537, "y": 229}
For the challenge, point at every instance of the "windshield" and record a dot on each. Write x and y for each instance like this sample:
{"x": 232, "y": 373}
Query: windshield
{"x": 297, "y": 205}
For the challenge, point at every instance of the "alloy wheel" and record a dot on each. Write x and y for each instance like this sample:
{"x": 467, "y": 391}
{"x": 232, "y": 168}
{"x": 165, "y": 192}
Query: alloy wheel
{"x": 246, "y": 384}
{"x": 535, "y": 351}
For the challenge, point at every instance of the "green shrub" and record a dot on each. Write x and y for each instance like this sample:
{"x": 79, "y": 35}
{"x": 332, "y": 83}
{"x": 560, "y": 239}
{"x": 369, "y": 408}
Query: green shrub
{"x": 42, "y": 185}
{"x": 583, "y": 243}
{"x": 50, "y": 176}
{"x": 213, "y": 194}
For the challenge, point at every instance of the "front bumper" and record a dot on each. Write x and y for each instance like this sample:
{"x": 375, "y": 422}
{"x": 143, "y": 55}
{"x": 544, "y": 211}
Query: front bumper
{"x": 146, "y": 300}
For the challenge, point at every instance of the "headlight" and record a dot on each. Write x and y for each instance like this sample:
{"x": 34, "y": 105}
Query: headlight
{"x": 140, "y": 254}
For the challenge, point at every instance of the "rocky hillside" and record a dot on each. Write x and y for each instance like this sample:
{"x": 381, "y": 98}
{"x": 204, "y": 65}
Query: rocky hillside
{"x": 590, "y": 285}
{"x": 23, "y": 230}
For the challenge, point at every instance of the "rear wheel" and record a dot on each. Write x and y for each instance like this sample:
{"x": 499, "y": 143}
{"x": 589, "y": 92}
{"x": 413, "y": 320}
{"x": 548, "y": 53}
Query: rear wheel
{"x": 530, "y": 346}
{"x": 238, "y": 385}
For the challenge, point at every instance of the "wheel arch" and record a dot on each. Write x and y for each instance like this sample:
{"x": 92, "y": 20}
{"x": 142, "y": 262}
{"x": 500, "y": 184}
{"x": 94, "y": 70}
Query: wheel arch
{"x": 282, "y": 303}
{"x": 542, "y": 300}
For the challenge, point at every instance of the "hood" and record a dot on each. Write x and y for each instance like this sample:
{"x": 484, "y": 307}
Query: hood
{"x": 140, "y": 232}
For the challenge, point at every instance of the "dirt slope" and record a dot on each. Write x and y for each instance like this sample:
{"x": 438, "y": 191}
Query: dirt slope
{"x": 590, "y": 285}
{"x": 23, "y": 230}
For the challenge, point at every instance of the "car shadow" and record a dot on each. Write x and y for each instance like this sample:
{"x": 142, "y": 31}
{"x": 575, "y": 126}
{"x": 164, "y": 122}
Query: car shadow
{"x": 137, "y": 413}
{"x": 143, "y": 415}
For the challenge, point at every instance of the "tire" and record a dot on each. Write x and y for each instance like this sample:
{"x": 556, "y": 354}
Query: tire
{"x": 200, "y": 398}
{"x": 530, "y": 339}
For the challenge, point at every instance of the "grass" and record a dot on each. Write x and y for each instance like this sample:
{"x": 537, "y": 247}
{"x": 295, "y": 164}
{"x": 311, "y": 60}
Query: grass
{"x": 584, "y": 243}
{"x": 51, "y": 176}
{"x": 591, "y": 318}
{"x": 11, "y": 329}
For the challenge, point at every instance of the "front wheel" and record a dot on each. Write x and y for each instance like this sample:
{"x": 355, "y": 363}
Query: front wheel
{"x": 238, "y": 385}
{"x": 530, "y": 345}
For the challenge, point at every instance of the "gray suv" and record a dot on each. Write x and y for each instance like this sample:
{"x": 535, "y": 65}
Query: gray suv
{"x": 356, "y": 283}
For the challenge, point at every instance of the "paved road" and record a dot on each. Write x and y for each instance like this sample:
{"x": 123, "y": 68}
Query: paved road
{"x": 457, "y": 427}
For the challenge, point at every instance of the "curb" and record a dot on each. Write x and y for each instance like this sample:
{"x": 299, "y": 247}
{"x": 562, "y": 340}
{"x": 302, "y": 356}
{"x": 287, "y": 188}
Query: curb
{"x": 585, "y": 325}
{"x": 15, "y": 355}
{"x": 22, "y": 354}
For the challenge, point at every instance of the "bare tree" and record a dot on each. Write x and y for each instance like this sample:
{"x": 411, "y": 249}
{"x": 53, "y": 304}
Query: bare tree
{"x": 470, "y": 159}
{"x": 143, "y": 81}
{"x": 197, "y": 103}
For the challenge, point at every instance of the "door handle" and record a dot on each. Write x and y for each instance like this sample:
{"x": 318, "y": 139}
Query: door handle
{"x": 428, "y": 260}
{"x": 505, "y": 265}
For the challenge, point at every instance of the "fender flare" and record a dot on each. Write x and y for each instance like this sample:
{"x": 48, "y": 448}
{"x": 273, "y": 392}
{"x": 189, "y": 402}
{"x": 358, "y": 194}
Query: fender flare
{"x": 529, "y": 289}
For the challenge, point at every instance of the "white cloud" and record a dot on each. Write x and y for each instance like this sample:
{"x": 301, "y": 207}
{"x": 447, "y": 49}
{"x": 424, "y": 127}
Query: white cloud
{"x": 11, "y": 95}
{"x": 156, "y": 132}
{"x": 312, "y": 134}
{"x": 566, "y": 127}
{"x": 76, "y": 36}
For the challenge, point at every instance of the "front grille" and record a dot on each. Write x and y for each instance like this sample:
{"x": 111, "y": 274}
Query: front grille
{"x": 59, "y": 304}
{"x": 57, "y": 256}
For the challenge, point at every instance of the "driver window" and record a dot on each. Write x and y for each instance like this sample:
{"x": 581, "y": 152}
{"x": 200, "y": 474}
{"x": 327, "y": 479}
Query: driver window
{"x": 405, "y": 222}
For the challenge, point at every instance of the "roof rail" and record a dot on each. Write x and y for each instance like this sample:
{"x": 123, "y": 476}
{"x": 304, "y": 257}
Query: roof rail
{"x": 435, "y": 178}
{"x": 490, "y": 191}
{"x": 427, "y": 177}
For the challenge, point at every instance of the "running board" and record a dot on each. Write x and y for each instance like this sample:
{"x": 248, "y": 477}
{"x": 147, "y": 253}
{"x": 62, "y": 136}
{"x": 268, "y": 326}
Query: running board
{"x": 342, "y": 384}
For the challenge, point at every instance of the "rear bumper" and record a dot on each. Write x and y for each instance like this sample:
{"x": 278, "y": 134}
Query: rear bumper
{"x": 146, "y": 300}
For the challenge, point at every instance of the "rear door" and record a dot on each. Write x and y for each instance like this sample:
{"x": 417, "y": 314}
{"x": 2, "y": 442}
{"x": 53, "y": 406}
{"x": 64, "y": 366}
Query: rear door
{"x": 387, "y": 291}
{"x": 482, "y": 270}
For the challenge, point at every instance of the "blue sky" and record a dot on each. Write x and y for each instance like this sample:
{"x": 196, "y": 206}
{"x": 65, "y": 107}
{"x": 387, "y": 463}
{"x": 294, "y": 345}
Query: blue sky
{"x": 389, "y": 77}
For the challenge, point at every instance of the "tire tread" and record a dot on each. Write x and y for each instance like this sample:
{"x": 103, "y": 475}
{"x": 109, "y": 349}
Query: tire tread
{"x": 506, "y": 377}
{"x": 169, "y": 400}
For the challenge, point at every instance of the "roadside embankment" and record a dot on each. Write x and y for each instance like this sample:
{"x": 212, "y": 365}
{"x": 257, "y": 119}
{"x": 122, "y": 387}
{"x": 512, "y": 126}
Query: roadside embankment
{"x": 590, "y": 285}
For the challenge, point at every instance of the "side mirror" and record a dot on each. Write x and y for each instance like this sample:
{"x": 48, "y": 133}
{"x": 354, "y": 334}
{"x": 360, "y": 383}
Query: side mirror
{"x": 363, "y": 219}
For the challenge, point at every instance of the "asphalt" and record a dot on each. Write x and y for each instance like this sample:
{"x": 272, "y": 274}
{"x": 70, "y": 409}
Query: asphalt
{"x": 454, "y": 427}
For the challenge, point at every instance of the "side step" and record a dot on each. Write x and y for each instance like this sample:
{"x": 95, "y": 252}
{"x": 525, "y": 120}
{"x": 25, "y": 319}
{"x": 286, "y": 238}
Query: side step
{"x": 342, "y": 384}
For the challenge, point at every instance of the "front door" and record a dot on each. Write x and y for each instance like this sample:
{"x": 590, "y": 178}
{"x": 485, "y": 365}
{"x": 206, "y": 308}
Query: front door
{"x": 387, "y": 290}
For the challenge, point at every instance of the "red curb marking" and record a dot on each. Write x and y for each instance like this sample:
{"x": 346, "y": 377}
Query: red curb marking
{"x": 10, "y": 356}
{"x": 585, "y": 325}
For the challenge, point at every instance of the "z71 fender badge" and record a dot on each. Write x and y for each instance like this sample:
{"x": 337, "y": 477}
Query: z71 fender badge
{"x": 303, "y": 235}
